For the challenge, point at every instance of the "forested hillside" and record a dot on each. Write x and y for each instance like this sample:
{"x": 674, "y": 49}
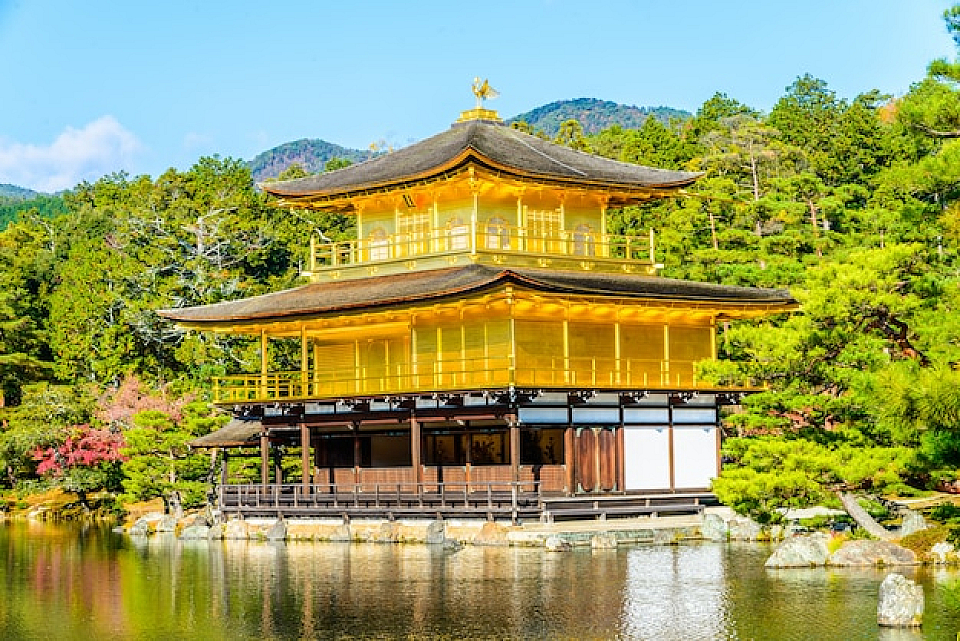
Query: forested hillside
{"x": 852, "y": 204}
{"x": 311, "y": 154}
{"x": 594, "y": 115}
{"x": 12, "y": 192}
{"x": 28, "y": 203}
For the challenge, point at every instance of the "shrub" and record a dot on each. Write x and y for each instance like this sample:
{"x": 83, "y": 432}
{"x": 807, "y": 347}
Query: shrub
{"x": 921, "y": 542}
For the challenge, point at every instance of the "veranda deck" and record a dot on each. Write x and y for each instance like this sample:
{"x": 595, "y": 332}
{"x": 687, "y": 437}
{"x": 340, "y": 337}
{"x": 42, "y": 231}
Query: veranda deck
{"x": 491, "y": 501}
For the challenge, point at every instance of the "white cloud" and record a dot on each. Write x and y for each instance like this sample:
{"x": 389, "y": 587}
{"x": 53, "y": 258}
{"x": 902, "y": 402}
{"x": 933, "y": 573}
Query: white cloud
{"x": 101, "y": 147}
{"x": 193, "y": 141}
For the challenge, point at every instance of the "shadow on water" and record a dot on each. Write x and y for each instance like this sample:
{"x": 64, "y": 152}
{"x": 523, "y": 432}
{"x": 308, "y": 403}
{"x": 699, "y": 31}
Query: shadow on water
{"x": 67, "y": 582}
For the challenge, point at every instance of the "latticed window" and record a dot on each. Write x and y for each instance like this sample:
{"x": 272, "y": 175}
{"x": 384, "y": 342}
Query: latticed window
{"x": 543, "y": 229}
{"x": 498, "y": 234}
{"x": 413, "y": 232}
{"x": 379, "y": 245}
{"x": 458, "y": 234}
{"x": 583, "y": 241}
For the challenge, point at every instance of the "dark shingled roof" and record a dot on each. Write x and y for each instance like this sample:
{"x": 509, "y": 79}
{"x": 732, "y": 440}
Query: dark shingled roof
{"x": 485, "y": 143}
{"x": 236, "y": 433}
{"x": 341, "y": 296}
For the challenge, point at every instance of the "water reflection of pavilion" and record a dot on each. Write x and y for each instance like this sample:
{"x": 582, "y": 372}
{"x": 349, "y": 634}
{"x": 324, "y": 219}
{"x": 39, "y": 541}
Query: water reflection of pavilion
{"x": 486, "y": 344}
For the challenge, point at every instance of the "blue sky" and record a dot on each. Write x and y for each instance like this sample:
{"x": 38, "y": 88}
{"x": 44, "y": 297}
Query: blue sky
{"x": 93, "y": 87}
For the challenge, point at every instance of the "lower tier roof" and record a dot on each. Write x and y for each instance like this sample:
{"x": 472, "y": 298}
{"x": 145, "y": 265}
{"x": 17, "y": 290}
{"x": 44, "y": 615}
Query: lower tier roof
{"x": 328, "y": 298}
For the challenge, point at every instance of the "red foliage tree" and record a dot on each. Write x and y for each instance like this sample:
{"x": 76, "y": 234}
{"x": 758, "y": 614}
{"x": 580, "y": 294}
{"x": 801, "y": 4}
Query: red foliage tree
{"x": 84, "y": 446}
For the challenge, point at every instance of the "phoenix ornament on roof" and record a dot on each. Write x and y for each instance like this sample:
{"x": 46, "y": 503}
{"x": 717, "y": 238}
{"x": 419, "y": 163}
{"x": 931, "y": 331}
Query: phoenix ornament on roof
{"x": 483, "y": 91}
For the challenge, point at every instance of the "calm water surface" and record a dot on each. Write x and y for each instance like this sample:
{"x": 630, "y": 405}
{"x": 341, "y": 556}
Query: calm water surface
{"x": 67, "y": 582}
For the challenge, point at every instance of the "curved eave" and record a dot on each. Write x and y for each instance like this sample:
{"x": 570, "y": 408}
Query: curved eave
{"x": 304, "y": 303}
{"x": 230, "y": 324}
{"x": 461, "y": 163}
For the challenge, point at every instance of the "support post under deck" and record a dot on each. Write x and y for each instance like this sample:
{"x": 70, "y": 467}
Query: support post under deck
{"x": 264, "y": 459}
{"x": 305, "y": 455}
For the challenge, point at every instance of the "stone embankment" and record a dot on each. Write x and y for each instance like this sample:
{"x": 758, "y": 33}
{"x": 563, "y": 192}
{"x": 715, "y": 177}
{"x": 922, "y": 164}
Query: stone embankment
{"x": 595, "y": 534}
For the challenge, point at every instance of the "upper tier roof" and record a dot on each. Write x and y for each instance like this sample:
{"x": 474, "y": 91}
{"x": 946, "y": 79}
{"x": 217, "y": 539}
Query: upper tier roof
{"x": 319, "y": 299}
{"x": 487, "y": 144}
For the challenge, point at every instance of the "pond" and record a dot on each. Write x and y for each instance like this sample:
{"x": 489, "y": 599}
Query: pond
{"x": 71, "y": 582}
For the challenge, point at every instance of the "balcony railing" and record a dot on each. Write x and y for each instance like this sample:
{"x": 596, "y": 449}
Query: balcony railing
{"x": 497, "y": 239}
{"x": 458, "y": 375}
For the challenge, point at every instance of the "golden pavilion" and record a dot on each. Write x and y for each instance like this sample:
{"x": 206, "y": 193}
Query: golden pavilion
{"x": 484, "y": 343}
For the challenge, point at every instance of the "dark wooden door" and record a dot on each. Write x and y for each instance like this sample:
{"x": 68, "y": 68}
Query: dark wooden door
{"x": 596, "y": 459}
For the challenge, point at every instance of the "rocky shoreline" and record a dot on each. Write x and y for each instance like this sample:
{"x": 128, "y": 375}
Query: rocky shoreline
{"x": 795, "y": 550}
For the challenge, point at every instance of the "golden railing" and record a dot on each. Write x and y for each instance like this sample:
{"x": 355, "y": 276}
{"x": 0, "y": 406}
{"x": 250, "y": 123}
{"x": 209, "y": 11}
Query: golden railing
{"x": 458, "y": 375}
{"x": 500, "y": 239}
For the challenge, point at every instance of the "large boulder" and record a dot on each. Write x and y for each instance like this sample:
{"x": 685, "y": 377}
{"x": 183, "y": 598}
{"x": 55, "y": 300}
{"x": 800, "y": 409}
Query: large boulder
{"x": 714, "y": 528}
{"x": 604, "y": 541}
{"x": 742, "y": 528}
{"x": 942, "y": 553}
{"x": 800, "y": 552}
{"x": 236, "y": 529}
{"x": 195, "y": 532}
{"x": 277, "y": 531}
{"x": 863, "y": 553}
{"x": 491, "y": 534}
{"x": 901, "y": 603}
{"x": 141, "y": 528}
{"x": 436, "y": 532}
{"x": 556, "y": 544}
{"x": 388, "y": 532}
{"x": 150, "y": 523}
{"x": 167, "y": 524}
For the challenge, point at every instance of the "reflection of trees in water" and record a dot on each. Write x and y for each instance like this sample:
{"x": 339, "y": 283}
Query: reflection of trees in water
{"x": 68, "y": 585}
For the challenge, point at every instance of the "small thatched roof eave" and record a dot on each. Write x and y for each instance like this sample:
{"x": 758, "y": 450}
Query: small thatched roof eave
{"x": 237, "y": 433}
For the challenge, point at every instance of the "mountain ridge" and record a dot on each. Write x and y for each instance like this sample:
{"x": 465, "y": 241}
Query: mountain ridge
{"x": 593, "y": 114}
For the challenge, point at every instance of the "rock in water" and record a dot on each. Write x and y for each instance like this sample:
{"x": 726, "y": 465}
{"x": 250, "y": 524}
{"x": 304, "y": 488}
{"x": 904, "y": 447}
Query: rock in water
{"x": 742, "y": 528}
{"x": 942, "y": 553}
{"x": 277, "y": 531}
{"x": 800, "y": 552}
{"x": 236, "y": 529}
{"x": 195, "y": 532}
{"x": 167, "y": 524}
{"x": 556, "y": 544}
{"x": 865, "y": 553}
{"x": 436, "y": 533}
{"x": 901, "y": 603}
{"x": 714, "y": 528}
{"x": 604, "y": 541}
{"x": 140, "y": 528}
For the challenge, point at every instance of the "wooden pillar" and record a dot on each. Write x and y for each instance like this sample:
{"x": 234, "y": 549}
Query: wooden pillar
{"x": 356, "y": 453}
{"x": 474, "y": 215}
{"x": 264, "y": 359}
{"x": 468, "y": 455}
{"x": 670, "y": 452}
{"x": 304, "y": 362}
{"x": 305, "y": 455}
{"x": 264, "y": 459}
{"x": 718, "y": 430}
{"x": 224, "y": 469}
{"x": 514, "y": 450}
{"x": 569, "y": 455}
{"x": 415, "y": 449}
